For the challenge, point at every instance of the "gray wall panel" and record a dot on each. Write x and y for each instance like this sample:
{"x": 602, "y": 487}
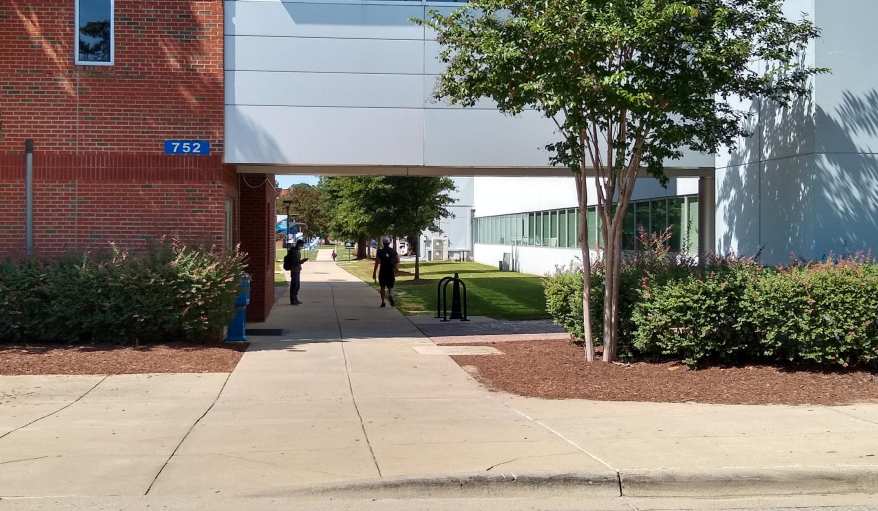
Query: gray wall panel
{"x": 315, "y": 136}
{"x": 321, "y": 19}
{"x": 484, "y": 138}
{"x": 324, "y": 89}
{"x": 251, "y": 53}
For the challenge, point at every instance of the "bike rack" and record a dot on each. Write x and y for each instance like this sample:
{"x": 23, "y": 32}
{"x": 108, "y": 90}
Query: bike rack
{"x": 442, "y": 299}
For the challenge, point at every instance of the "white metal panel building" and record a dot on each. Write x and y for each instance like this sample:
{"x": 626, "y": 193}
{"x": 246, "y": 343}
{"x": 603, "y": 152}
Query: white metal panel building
{"x": 343, "y": 87}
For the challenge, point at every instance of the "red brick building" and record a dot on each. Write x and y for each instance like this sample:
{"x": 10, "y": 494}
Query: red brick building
{"x": 99, "y": 112}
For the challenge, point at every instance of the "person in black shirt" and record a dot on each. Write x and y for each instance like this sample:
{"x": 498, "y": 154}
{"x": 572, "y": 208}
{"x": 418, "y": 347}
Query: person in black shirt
{"x": 293, "y": 263}
{"x": 386, "y": 260}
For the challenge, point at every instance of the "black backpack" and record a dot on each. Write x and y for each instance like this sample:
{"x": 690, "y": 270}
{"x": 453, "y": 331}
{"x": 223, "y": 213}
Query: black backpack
{"x": 288, "y": 261}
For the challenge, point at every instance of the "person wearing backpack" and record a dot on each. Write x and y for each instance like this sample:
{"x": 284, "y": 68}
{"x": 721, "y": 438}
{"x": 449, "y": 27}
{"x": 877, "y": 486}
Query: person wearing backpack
{"x": 293, "y": 263}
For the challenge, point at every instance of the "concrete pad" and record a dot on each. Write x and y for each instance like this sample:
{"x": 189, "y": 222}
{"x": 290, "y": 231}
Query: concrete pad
{"x": 145, "y": 388}
{"x": 734, "y": 423}
{"x": 449, "y": 458}
{"x": 208, "y": 438}
{"x": 142, "y": 440}
{"x": 718, "y": 452}
{"x": 580, "y": 408}
{"x": 261, "y": 471}
{"x": 434, "y": 409}
{"x": 280, "y": 412}
{"x": 863, "y": 412}
{"x": 441, "y": 432}
{"x": 426, "y": 320}
{"x": 457, "y": 350}
{"x": 286, "y": 386}
{"x": 407, "y": 385}
{"x": 485, "y": 339}
{"x": 44, "y": 389}
{"x": 117, "y": 414}
{"x": 77, "y": 475}
{"x": 18, "y": 415}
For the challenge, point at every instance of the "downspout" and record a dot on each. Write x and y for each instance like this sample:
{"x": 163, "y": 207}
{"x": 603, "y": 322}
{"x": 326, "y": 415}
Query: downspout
{"x": 29, "y": 195}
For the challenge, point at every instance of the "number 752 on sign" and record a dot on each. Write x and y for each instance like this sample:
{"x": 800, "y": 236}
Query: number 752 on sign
{"x": 187, "y": 147}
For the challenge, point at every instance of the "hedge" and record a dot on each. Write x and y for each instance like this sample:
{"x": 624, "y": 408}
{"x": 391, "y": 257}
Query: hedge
{"x": 167, "y": 291}
{"x": 733, "y": 310}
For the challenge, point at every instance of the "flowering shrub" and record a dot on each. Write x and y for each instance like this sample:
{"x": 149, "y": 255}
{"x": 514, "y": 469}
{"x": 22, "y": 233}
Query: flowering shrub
{"x": 167, "y": 291}
{"x": 653, "y": 264}
{"x": 698, "y": 316}
{"x": 732, "y": 309}
{"x": 822, "y": 312}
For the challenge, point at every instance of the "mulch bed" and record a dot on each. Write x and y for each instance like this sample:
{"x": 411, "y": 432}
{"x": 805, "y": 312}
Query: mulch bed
{"x": 215, "y": 357}
{"x": 557, "y": 370}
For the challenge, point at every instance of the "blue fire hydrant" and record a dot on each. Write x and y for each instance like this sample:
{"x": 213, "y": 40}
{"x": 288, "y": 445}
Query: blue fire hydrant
{"x": 237, "y": 330}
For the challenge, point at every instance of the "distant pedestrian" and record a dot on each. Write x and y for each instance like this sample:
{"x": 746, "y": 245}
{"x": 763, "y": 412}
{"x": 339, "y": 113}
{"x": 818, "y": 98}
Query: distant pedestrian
{"x": 386, "y": 260}
{"x": 293, "y": 263}
{"x": 334, "y": 255}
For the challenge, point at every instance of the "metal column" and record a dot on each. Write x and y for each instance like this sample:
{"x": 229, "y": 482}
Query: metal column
{"x": 28, "y": 195}
{"x": 706, "y": 215}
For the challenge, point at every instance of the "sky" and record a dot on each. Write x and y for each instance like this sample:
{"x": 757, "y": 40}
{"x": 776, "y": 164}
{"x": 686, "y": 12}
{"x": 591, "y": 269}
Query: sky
{"x": 287, "y": 181}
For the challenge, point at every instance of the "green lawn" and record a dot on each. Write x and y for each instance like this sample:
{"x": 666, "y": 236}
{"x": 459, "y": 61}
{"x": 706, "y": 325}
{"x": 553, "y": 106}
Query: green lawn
{"x": 279, "y": 278}
{"x": 492, "y": 293}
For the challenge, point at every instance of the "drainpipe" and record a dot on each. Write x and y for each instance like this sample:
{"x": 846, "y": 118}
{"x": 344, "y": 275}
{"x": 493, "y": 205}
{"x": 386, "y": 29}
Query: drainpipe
{"x": 29, "y": 195}
{"x": 706, "y": 216}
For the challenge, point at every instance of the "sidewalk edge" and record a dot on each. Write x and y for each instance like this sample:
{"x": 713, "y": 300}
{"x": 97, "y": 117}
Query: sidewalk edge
{"x": 733, "y": 482}
{"x": 603, "y": 483}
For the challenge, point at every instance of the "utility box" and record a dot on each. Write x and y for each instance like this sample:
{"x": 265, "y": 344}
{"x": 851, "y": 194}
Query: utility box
{"x": 439, "y": 249}
{"x": 506, "y": 263}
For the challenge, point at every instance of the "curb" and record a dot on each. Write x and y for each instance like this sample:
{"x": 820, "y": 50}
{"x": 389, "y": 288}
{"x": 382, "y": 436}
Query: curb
{"x": 482, "y": 484}
{"x": 725, "y": 482}
{"x": 738, "y": 482}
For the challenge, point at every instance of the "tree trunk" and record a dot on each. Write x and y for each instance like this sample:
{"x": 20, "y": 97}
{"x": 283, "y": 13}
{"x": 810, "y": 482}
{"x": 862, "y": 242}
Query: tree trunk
{"x": 414, "y": 243}
{"x": 613, "y": 271}
{"x": 611, "y": 286}
{"x": 582, "y": 196}
{"x": 362, "y": 243}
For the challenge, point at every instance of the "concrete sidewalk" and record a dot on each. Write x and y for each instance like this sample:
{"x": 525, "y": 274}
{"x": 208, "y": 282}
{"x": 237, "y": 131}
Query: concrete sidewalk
{"x": 348, "y": 402}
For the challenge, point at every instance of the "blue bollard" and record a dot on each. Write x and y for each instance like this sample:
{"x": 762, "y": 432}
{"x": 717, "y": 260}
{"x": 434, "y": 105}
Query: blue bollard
{"x": 237, "y": 330}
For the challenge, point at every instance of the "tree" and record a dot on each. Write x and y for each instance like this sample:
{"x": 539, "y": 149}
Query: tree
{"x": 411, "y": 205}
{"x": 307, "y": 205}
{"x": 346, "y": 201}
{"x": 393, "y": 205}
{"x": 629, "y": 85}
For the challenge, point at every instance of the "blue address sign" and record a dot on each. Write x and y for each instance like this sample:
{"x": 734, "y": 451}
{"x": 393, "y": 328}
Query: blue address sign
{"x": 187, "y": 147}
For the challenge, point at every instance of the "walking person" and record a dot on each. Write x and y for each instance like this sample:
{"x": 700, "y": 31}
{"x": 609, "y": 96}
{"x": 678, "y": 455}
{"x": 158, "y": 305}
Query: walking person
{"x": 334, "y": 255}
{"x": 293, "y": 263}
{"x": 386, "y": 260}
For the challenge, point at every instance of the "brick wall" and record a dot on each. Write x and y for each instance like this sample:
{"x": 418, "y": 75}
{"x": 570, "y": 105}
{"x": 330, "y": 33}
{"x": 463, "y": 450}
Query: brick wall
{"x": 257, "y": 197}
{"x": 166, "y": 82}
{"x": 100, "y": 172}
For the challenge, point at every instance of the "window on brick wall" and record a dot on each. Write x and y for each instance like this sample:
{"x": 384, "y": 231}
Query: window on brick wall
{"x": 94, "y": 32}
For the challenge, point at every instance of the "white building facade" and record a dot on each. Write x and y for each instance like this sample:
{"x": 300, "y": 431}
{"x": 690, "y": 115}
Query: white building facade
{"x": 344, "y": 87}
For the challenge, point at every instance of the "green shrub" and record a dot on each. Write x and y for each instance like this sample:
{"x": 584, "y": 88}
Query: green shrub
{"x": 698, "y": 317}
{"x": 822, "y": 312}
{"x": 653, "y": 263}
{"x": 168, "y": 291}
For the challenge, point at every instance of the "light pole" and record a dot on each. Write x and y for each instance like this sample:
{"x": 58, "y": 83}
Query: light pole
{"x": 288, "y": 203}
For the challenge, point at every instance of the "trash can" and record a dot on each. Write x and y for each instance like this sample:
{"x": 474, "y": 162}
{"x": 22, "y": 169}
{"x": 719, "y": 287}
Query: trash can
{"x": 237, "y": 330}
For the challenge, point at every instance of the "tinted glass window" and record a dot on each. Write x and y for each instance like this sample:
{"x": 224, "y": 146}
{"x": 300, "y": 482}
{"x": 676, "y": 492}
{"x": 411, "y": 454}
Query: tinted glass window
{"x": 94, "y": 36}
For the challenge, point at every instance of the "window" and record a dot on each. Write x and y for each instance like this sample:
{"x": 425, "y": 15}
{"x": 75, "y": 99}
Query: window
{"x": 628, "y": 228}
{"x": 692, "y": 225}
{"x": 659, "y": 216}
{"x": 94, "y": 32}
{"x": 675, "y": 222}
